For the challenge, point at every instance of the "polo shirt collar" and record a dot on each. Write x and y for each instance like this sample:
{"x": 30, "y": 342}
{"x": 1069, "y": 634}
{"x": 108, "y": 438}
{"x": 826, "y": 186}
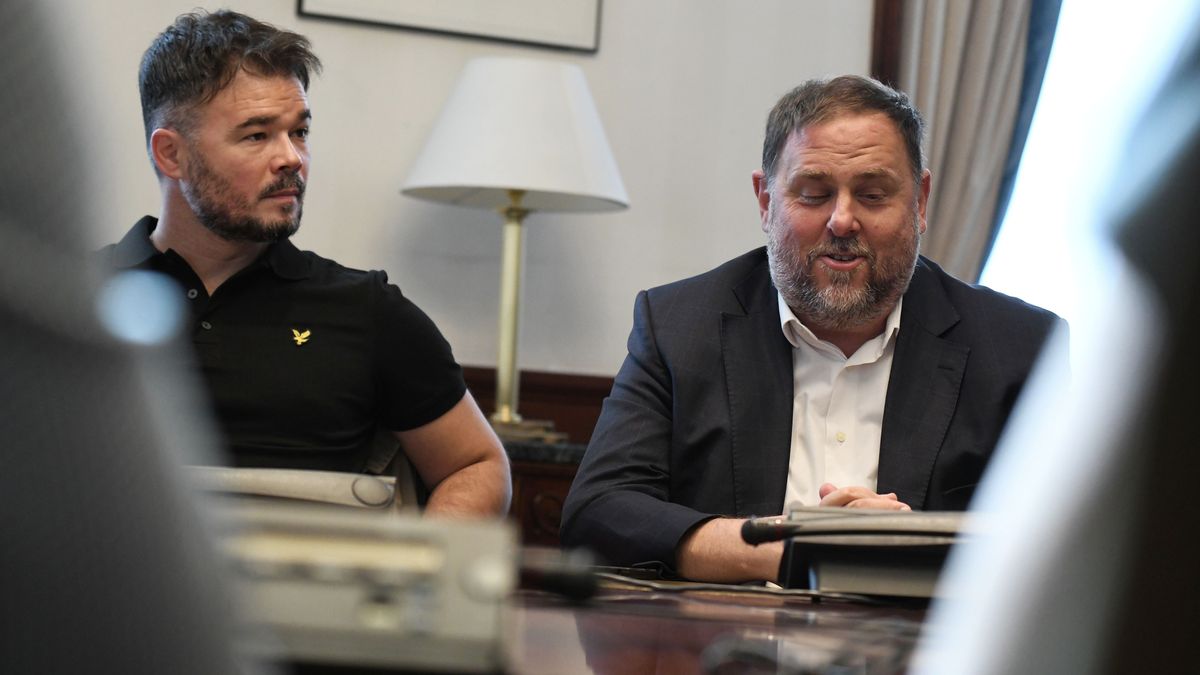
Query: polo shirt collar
{"x": 287, "y": 261}
{"x": 135, "y": 248}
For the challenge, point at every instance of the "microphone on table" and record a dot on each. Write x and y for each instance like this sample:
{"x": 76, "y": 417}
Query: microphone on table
{"x": 757, "y": 531}
{"x": 912, "y": 527}
{"x": 570, "y": 573}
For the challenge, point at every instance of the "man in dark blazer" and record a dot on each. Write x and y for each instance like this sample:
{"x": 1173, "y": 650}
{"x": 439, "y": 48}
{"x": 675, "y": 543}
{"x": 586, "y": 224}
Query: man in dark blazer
{"x": 701, "y": 429}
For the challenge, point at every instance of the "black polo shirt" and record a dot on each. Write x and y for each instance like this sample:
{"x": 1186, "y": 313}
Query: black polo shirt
{"x": 303, "y": 358}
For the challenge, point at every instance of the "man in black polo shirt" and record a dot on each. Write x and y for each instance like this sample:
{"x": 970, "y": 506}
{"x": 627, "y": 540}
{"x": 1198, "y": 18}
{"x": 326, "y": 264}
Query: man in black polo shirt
{"x": 305, "y": 360}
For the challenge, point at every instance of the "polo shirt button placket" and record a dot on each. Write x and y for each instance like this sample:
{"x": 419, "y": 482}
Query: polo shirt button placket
{"x": 193, "y": 294}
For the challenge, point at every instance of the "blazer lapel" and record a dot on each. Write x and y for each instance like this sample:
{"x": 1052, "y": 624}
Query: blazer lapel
{"x": 758, "y": 377}
{"x": 923, "y": 390}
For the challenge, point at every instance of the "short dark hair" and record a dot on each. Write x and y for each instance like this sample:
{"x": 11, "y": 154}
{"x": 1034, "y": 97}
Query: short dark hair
{"x": 818, "y": 101}
{"x": 199, "y": 55}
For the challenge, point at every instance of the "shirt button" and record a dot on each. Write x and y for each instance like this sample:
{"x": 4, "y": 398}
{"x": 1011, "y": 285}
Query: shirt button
{"x": 841, "y": 437}
{"x": 206, "y": 325}
{"x": 192, "y": 293}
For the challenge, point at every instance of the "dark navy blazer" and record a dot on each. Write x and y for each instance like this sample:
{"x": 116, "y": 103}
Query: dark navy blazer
{"x": 699, "y": 420}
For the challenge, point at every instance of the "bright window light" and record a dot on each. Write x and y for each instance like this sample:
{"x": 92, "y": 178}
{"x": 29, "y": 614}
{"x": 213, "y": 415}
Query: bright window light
{"x": 1108, "y": 58}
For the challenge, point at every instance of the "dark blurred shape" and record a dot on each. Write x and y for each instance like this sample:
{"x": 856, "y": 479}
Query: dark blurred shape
{"x": 1158, "y": 607}
{"x": 1094, "y": 567}
{"x": 569, "y": 573}
{"x": 104, "y": 560}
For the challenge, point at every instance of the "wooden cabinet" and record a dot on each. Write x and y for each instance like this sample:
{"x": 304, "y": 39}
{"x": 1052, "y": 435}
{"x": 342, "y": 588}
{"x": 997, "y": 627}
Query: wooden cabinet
{"x": 539, "y": 490}
{"x": 541, "y": 476}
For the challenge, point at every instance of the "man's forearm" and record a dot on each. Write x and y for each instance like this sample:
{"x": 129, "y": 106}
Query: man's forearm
{"x": 460, "y": 458}
{"x": 480, "y": 489}
{"x": 714, "y": 551}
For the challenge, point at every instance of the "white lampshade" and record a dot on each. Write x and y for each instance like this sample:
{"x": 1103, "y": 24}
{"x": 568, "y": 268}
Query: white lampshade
{"x": 519, "y": 124}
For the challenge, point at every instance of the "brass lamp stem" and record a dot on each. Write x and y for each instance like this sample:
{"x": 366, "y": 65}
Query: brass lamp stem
{"x": 510, "y": 295}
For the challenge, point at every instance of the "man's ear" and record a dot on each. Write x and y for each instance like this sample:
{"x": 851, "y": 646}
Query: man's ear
{"x": 762, "y": 194}
{"x": 923, "y": 198}
{"x": 169, "y": 152}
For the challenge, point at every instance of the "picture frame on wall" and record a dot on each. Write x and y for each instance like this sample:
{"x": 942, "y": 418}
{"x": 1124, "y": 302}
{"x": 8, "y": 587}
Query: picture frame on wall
{"x": 560, "y": 24}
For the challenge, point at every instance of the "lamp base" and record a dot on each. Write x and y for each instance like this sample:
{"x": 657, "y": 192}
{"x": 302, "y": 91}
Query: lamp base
{"x": 538, "y": 431}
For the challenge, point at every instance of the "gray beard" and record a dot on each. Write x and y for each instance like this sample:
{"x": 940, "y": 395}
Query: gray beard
{"x": 840, "y": 306}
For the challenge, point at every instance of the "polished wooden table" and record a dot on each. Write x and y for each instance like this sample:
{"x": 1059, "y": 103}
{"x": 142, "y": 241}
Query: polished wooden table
{"x": 682, "y": 628}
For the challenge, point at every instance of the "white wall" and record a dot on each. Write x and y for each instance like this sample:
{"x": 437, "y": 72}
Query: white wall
{"x": 683, "y": 88}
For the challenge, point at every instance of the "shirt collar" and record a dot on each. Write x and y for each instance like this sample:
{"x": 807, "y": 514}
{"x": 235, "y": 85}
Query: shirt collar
{"x": 135, "y": 248}
{"x": 797, "y": 333}
{"x": 287, "y": 261}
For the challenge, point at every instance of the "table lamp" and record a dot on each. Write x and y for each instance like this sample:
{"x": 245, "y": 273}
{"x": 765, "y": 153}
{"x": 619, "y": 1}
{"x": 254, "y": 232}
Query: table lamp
{"x": 517, "y": 135}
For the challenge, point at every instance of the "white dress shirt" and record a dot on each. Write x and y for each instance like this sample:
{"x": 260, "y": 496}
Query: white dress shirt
{"x": 837, "y": 408}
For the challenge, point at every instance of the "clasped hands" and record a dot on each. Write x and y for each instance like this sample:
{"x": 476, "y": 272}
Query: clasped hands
{"x": 857, "y": 497}
{"x": 715, "y": 551}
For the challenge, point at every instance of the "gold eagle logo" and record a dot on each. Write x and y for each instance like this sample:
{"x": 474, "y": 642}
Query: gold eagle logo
{"x": 299, "y": 337}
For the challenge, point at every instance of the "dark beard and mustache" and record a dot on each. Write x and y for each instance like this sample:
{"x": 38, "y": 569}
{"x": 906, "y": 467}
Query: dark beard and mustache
{"x": 841, "y": 305}
{"x": 221, "y": 210}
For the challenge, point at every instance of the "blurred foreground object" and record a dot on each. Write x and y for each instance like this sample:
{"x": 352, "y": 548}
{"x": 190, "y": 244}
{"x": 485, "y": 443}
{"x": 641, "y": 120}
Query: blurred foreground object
{"x": 326, "y": 487}
{"x": 106, "y": 565}
{"x": 1092, "y": 569}
{"x": 365, "y": 588}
